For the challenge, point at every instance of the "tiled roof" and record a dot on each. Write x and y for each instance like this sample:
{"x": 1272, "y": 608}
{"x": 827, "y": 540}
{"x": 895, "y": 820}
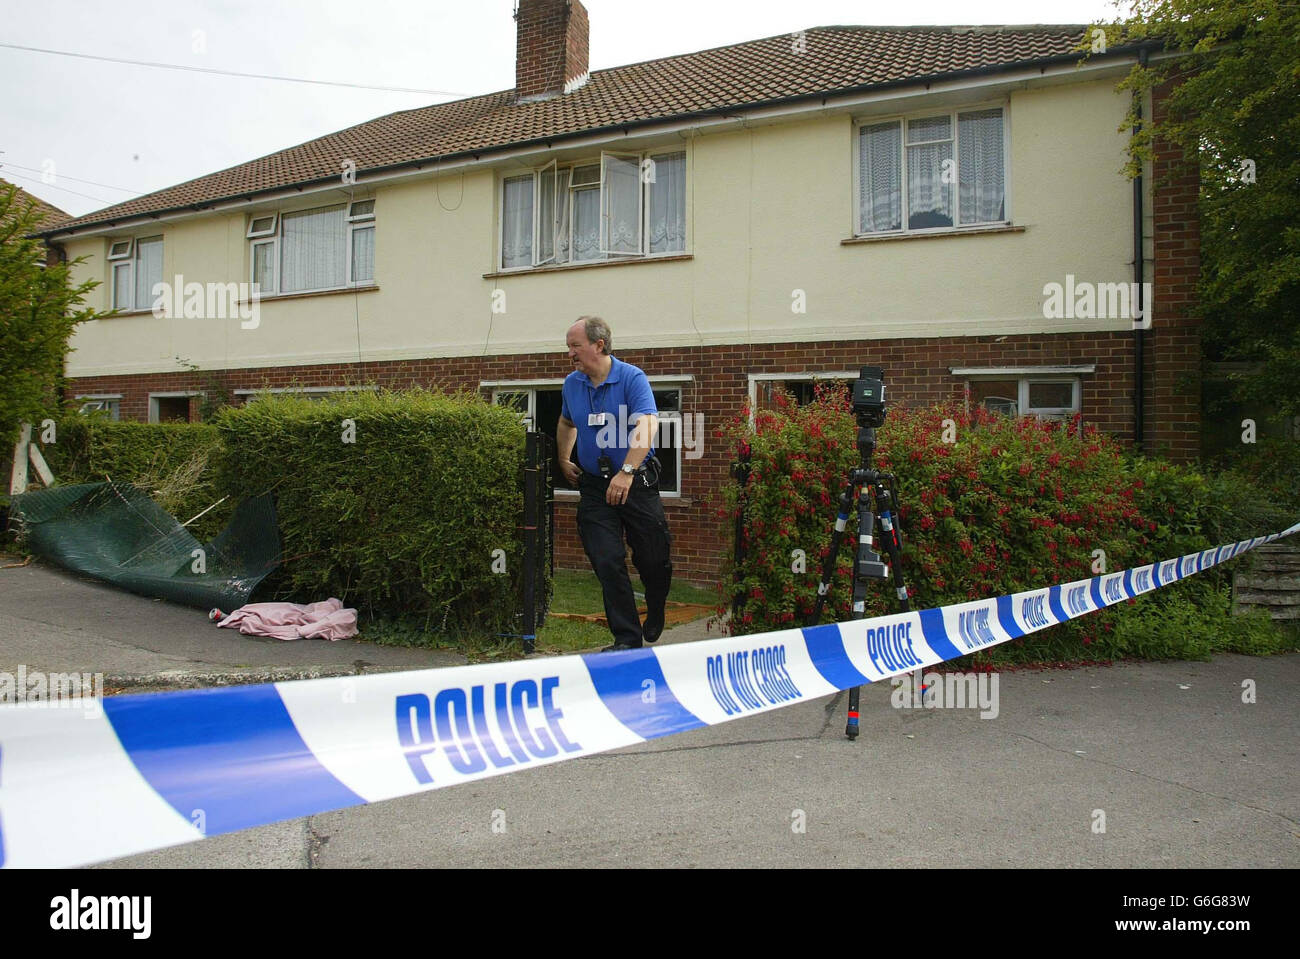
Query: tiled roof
{"x": 51, "y": 216}
{"x": 759, "y": 71}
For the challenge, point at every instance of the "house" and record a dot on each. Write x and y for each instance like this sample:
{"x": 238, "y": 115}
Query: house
{"x": 944, "y": 202}
{"x": 50, "y": 216}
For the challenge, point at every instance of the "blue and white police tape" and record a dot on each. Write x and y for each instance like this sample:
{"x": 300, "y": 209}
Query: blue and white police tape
{"x": 148, "y": 771}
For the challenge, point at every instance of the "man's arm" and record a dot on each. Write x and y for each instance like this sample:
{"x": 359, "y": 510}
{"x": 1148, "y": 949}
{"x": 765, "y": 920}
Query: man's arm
{"x": 566, "y": 435}
{"x": 642, "y": 439}
{"x": 642, "y": 399}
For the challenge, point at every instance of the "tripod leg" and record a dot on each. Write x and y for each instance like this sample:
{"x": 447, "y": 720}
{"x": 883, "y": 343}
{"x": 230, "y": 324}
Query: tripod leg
{"x": 828, "y": 566}
{"x": 866, "y": 564}
{"x": 892, "y": 541}
{"x": 851, "y": 726}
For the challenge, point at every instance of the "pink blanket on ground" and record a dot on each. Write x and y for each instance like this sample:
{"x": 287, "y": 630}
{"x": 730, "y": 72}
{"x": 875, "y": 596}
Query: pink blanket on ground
{"x": 327, "y": 620}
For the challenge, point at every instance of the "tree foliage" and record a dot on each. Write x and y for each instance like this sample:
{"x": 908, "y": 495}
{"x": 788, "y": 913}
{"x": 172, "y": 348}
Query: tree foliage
{"x": 39, "y": 308}
{"x": 1235, "y": 113}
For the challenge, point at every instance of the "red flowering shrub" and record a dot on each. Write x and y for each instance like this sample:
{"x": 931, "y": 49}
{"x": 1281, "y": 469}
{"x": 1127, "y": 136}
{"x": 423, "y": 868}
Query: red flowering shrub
{"x": 1011, "y": 504}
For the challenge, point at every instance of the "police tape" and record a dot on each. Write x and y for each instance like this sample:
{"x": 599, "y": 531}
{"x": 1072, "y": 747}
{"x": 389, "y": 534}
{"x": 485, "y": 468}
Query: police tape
{"x": 148, "y": 771}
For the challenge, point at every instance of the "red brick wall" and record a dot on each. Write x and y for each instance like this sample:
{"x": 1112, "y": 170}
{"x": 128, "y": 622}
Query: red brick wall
{"x": 917, "y": 373}
{"x": 551, "y": 45}
{"x": 1173, "y": 349}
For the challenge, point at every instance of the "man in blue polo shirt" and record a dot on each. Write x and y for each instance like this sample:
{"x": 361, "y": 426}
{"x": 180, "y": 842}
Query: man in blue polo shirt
{"x": 609, "y": 412}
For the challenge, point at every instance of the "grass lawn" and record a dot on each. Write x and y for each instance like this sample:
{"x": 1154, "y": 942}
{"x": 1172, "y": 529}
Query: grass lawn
{"x": 579, "y": 592}
{"x": 575, "y": 592}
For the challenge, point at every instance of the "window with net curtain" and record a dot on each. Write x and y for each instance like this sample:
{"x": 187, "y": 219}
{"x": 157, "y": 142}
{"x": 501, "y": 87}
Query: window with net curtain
{"x": 313, "y": 250}
{"x": 134, "y": 277}
{"x": 561, "y": 211}
{"x": 933, "y": 172}
{"x": 148, "y": 270}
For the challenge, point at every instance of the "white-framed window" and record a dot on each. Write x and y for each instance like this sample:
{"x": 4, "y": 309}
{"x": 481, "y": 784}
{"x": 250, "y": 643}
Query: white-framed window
{"x": 259, "y": 226}
{"x": 615, "y": 206}
{"x": 135, "y": 265}
{"x": 361, "y": 242}
{"x": 937, "y": 171}
{"x": 107, "y": 403}
{"x": 308, "y": 251}
{"x": 539, "y": 403}
{"x": 763, "y": 387}
{"x": 1049, "y": 392}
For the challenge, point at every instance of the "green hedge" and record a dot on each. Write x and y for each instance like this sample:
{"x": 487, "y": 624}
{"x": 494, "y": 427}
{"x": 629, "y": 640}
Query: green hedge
{"x": 393, "y": 502}
{"x": 1007, "y": 505}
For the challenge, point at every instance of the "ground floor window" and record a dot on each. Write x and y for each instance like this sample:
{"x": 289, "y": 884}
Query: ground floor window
{"x": 539, "y": 405}
{"x": 1047, "y": 393}
{"x": 110, "y": 405}
{"x": 801, "y": 387}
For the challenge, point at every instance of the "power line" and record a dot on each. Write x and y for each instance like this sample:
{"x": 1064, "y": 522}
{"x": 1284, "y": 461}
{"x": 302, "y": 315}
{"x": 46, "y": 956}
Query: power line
{"x": 229, "y": 73}
{"x": 64, "y": 176}
{"x": 97, "y": 199}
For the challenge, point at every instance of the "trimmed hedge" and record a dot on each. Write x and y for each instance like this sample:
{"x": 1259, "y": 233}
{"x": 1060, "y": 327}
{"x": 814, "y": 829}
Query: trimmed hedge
{"x": 393, "y": 502}
{"x": 1009, "y": 504}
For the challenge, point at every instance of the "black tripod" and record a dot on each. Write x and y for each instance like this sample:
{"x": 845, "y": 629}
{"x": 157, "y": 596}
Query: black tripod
{"x": 870, "y": 486}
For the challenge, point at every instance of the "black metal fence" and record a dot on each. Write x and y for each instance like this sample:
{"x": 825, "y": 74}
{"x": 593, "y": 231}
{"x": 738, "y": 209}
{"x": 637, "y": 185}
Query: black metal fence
{"x": 539, "y": 535}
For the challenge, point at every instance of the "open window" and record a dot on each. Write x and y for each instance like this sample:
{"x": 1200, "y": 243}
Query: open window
{"x": 621, "y": 210}
{"x": 260, "y": 226}
{"x": 621, "y": 206}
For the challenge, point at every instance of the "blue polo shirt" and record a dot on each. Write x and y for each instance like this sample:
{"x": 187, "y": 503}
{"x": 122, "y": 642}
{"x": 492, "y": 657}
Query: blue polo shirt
{"x": 623, "y": 398}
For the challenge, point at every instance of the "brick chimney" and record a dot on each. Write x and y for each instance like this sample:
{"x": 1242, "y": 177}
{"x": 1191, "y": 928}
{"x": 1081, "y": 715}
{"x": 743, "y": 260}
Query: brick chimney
{"x": 550, "y": 48}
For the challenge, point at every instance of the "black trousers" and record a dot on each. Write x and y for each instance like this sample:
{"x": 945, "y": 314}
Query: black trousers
{"x": 602, "y": 527}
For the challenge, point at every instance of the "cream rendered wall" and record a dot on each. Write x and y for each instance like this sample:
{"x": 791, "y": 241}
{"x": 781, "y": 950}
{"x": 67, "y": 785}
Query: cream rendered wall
{"x": 767, "y": 209}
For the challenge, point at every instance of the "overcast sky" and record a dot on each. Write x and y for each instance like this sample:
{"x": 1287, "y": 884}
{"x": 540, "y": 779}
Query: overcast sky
{"x": 83, "y": 134}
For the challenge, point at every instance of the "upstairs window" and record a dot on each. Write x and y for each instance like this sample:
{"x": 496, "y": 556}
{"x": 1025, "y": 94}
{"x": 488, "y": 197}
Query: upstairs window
{"x": 328, "y": 248}
{"x": 620, "y": 206}
{"x": 930, "y": 173}
{"x": 136, "y": 266}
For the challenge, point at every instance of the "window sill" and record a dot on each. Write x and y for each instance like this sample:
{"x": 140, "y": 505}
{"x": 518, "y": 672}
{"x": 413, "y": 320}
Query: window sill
{"x": 666, "y": 258}
{"x": 971, "y": 231}
{"x": 276, "y": 297}
{"x": 670, "y": 500}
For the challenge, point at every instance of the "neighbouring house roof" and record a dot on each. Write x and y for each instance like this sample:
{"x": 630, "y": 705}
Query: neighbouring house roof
{"x": 833, "y": 60}
{"x": 51, "y": 216}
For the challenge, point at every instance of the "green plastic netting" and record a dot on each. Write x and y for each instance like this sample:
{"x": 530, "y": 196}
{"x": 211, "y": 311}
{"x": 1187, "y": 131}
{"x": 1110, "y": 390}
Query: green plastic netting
{"x": 118, "y": 534}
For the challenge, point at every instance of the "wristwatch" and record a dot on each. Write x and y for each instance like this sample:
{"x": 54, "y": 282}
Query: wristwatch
{"x": 629, "y": 469}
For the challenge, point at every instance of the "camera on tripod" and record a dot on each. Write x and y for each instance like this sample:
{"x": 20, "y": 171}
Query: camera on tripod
{"x": 877, "y": 527}
{"x": 869, "y": 396}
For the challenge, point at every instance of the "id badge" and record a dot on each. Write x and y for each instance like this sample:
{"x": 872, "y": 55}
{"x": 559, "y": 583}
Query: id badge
{"x": 596, "y": 419}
